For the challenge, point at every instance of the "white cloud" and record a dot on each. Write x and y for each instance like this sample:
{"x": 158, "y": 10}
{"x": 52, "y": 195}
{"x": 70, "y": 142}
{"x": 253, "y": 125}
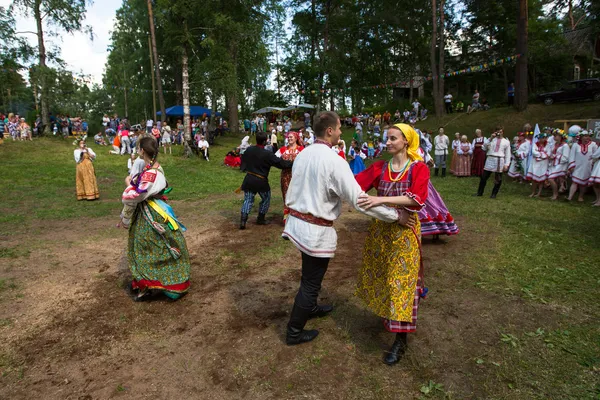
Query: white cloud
{"x": 80, "y": 54}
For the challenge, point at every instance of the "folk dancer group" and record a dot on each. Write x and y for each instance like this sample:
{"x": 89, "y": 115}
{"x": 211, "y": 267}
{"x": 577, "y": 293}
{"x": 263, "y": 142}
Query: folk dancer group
{"x": 391, "y": 279}
{"x": 552, "y": 157}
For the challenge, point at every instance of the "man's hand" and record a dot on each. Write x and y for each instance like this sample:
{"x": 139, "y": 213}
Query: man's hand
{"x": 407, "y": 219}
{"x": 365, "y": 201}
{"x": 505, "y": 169}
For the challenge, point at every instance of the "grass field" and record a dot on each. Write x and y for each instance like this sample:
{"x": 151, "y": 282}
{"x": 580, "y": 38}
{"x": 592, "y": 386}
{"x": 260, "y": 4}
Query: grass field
{"x": 513, "y": 309}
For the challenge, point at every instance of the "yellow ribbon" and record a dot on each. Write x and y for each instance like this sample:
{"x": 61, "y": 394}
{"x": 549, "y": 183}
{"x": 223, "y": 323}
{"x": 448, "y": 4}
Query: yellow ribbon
{"x": 172, "y": 222}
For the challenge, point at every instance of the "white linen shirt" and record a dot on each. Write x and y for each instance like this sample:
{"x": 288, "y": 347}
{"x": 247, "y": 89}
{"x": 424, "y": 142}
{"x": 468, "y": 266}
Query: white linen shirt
{"x": 320, "y": 181}
{"x": 441, "y": 145}
{"x": 500, "y": 148}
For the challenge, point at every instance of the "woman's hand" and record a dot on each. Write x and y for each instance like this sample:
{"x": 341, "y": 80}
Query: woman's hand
{"x": 365, "y": 201}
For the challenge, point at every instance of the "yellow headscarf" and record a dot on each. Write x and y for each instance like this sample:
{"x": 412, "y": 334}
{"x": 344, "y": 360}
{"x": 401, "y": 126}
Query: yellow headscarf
{"x": 414, "y": 141}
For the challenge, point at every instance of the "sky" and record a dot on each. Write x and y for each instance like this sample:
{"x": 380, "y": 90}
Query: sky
{"x": 80, "y": 54}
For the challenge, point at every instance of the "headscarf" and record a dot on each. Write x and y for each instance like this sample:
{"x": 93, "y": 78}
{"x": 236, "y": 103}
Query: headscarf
{"x": 299, "y": 141}
{"x": 245, "y": 144}
{"x": 413, "y": 139}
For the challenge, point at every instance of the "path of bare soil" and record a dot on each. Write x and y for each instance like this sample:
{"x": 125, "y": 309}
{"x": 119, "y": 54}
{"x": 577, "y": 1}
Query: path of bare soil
{"x": 69, "y": 331}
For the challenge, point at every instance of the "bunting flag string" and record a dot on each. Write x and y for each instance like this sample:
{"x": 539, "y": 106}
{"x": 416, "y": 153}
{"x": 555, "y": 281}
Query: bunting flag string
{"x": 472, "y": 69}
{"x": 141, "y": 90}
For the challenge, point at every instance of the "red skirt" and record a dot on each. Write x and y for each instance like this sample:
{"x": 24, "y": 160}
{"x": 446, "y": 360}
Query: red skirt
{"x": 478, "y": 161}
{"x": 232, "y": 161}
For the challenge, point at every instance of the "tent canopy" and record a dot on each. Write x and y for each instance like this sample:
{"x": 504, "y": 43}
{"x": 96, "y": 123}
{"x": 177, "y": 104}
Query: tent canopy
{"x": 295, "y": 107}
{"x": 265, "y": 110}
{"x": 195, "y": 111}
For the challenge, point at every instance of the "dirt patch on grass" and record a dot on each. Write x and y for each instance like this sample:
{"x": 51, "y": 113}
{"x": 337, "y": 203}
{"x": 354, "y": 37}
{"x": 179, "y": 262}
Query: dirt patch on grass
{"x": 72, "y": 333}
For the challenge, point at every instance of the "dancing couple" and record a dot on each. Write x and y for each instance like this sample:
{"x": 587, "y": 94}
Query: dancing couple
{"x": 391, "y": 277}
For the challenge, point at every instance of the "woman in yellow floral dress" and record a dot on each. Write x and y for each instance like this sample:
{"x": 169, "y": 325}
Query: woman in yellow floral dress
{"x": 390, "y": 280}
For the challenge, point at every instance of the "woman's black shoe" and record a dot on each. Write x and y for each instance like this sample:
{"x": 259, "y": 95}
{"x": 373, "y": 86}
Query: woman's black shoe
{"x": 398, "y": 349}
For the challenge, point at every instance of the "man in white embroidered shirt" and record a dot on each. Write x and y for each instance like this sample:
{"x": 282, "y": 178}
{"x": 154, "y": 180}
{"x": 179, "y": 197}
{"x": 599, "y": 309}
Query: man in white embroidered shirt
{"x": 320, "y": 181}
{"x": 497, "y": 161}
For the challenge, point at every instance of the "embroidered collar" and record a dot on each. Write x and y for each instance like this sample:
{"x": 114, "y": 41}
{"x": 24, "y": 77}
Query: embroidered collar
{"x": 323, "y": 142}
{"x": 584, "y": 147}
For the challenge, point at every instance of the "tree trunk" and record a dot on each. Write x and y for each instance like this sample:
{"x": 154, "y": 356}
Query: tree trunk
{"x": 152, "y": 75}
{"x": 521, "y": 92}
{"x": 232, "y": 103}
{"x": 332, "y": 102}
{"x": 185, "y": 86}
{"x": 178, "y": 82}
{"x": 571, "y": 19}
{"x": 434, "y": 65}
{"x": 161, "y": 97}
{"x": 42, "y": 69}
{"x": 232, "y": 92}
{"x": 439, "y": 105}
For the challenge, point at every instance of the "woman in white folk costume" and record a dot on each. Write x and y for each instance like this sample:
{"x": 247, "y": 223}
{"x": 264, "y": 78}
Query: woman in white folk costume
{"x": 464, "y": 153}
{"x": 580, "y": 164}
{"x": 538, "y": 169}
{"x": 559, "y": 163}
{"x": 455, "y": 146}
{"x": 518, "y": 160}
{"x": 595, "y": 177}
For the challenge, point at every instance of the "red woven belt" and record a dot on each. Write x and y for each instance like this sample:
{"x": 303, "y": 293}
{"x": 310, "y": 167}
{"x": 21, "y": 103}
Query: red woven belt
{"x": 311, "y": 219}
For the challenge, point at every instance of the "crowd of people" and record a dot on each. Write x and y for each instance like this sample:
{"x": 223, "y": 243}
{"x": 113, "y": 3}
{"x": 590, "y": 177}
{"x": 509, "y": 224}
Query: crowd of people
{"x": 318, "y": 173}
{"x": 123, "y": 136}
{"x": 565, "y": 162}
{"x": 15, "y": 126}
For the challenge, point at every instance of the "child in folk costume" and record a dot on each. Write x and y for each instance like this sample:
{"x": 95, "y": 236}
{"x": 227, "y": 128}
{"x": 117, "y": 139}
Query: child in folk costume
{"x": 580, "y": 164}
{"x": 538, "y": 169}
{"x": 478, "y": 154}
{"x": 595, "y": 176}
{"x": 289, "y": 153}
{"x": 520, "y": 152}
{"x": 391, "y": 278}
{"x": 559, "y": 163}
{"x": 356, "y": 158}
{"x": 464, "y": 152}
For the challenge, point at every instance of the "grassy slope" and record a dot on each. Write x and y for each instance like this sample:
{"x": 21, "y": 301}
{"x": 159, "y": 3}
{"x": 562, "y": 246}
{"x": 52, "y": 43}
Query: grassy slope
{"x": 511, "y": 120}
{"x": 544, "y": 253}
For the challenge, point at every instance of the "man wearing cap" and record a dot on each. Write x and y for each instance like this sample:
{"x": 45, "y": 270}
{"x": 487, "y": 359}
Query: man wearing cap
{"x": 497, "y": 161}
{"x": 320, "y": 181}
